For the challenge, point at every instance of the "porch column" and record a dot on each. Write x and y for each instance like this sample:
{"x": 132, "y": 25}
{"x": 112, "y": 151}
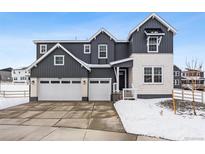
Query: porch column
{"x": 117, "y": 78}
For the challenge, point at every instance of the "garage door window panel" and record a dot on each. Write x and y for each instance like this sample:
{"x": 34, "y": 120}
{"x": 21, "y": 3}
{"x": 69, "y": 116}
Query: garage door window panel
{"x": 55, "y": 82}
{"x": 65, "y": 82}
{"x": 44, "y": 82}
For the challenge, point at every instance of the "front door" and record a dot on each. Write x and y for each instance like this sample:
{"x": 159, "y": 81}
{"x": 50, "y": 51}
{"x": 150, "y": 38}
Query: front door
{"x": 122, "y": 79}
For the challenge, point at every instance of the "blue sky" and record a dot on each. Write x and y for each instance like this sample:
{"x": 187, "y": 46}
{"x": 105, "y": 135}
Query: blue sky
{"x": 17, "y": 30}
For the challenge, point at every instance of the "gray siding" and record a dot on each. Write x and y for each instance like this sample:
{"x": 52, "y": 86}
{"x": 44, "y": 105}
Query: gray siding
{"x": 102, "y": 73}
{"x": 5, "y": 76}
{"x": 139, "y": 44}
{"x": 71, "y": 68}
{"x": 75, "y": 48}
{"x": 177, "y": 77}
{"x": 121, "y": 51}
{"x": 102, "y": 38}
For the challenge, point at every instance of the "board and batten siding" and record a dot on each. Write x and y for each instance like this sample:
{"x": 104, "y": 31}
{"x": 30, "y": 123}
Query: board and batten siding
{"x": 139, "y": 44}
{"x": 47, "y": 69}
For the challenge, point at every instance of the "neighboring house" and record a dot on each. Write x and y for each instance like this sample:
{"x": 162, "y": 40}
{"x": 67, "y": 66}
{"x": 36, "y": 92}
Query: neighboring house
{"x": 5, "y": 75}
{"x": 20, "y": 75}
{"x": 193, "y": 76}
{"x": 177, "y": 77}
{"x": 101, "y": 66}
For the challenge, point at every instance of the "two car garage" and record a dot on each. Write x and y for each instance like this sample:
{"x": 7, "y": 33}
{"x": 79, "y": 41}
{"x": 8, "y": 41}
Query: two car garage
{"x": 71, "y": 89}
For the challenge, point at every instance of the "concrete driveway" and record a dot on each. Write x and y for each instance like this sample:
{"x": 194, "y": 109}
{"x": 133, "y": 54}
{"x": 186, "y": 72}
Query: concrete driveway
{"x": 63, "y": 121}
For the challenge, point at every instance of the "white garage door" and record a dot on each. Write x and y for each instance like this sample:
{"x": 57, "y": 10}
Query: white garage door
{"x": 100, "y": 89}
{"x": 59, "y": 89}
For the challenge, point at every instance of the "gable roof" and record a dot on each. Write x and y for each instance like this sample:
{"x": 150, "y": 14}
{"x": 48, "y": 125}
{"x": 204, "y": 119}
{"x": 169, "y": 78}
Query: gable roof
{"x": 121, "y": 61}
{"x": 101, "y": 31}
{"x": 153, "y": 15}
{"x": 64, "y": 49}
{"x": 82, "y": 41}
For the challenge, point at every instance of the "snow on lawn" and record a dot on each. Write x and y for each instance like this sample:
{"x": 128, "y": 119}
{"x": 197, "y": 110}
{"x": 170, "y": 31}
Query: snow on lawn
{"x": 14, "y": 87}
{"x": 143, "y": 117}
{"x": 8, "y": 102}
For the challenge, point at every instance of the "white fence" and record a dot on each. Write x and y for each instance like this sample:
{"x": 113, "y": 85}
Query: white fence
{"x": 199, "y": 96}
{"x": 129, "y": 94}
{"x": 14, "y": 90}
{"x": 14, "y": 94}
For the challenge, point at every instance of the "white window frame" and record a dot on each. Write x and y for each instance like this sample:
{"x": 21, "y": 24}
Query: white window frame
{"x": 148, "y": 44}
{"x": 55, "y": 60}
{"x": 176, "y": 82}
{"x": 101, "y": 51}
{"x": 89, "y": 47}
{"x": 43, "y": 45}
{"x": 154, "y": 83}
{"x": 176, "y": 73}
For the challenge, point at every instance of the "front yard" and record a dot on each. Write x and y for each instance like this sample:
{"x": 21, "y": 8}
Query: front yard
{"x": 149, "y": 117}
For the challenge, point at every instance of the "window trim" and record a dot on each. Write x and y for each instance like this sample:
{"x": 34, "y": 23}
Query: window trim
{"x": 157, "y": 44}
{"x": 177, "y": 73}
{"x": 41, "y": 45}
{"x": 153, "y": 83}
{"x": 100, "y": 51}
{"x": 84, "y": 48}
{"x": 55, "y": 60}
{"x": 176, "y": 82}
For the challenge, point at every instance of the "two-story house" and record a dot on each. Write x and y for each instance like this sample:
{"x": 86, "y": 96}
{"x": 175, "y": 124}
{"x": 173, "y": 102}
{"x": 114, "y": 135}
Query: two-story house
{"x": 177, "y": 77}
{"x": 96, "y": 68}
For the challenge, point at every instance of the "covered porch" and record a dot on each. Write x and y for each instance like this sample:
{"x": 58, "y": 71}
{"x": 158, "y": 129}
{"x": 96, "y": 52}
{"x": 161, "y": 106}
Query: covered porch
{"x": 122, "y": 70}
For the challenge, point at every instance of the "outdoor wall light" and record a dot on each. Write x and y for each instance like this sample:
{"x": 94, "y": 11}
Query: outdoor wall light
{"x": 84, "y": 82}
{"x": 33, "y": 82}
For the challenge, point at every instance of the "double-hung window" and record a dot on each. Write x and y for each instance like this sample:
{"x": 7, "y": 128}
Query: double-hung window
{"x": 153, "y": 75}
{"x": 148, "y": 75}
{"x": 43, "y": 48}
{"x": 102, "y": 51}
{"x": 58, "y": 60}
{"x": 176, "y": 82}
{"x": 87, "y": 48}
{"x": 152, "y": 44}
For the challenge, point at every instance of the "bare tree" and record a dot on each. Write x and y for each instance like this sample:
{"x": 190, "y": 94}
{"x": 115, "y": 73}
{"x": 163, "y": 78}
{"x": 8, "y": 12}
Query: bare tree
{"x": 193, "y": 67}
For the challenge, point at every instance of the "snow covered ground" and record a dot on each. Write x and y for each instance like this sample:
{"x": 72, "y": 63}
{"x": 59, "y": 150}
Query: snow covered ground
{"x": 14, "y": 87}
{"x": 8, "y": 102}
{"x": 144, "y": 117}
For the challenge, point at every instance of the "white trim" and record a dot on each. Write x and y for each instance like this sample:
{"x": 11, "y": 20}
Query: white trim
{"x": 177, "y": 73}
{"x": 153, "y": 15}
{"x": 176, "y": 83}
{"x": 82, "y": 41}
{"x": 153, "y": 34}
{"x": 70, "y": 41}
{"x": 157, "y": 44}
{"x": 84, "y": 48}
{"x": 99, "y": 65}
{"x": 121, "y": 61}
{"x": 100, "y": 31}
{"x": 154, "y": 83}
{"x": 55, "y": 56}
{"x": 51, "y": 50}
{"x": 101, "y": 51}
{"x": 43, "y": 45}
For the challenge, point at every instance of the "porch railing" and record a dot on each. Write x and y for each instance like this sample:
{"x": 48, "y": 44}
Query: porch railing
{"x": 129, "y": 94}
{"x": 114, "y": 87}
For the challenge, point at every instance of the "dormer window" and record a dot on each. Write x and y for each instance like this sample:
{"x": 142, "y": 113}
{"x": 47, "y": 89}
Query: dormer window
{"x": 152, "y": 44}
{"x": 87, "y": 48}
{"x": 154, "y": 37}
{"x": 43, "y": 48}
{"x": 102, "y": 51}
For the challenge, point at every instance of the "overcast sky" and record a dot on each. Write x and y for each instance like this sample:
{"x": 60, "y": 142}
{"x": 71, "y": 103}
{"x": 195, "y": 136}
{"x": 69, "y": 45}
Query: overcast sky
{"x": 18, "y": 30}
